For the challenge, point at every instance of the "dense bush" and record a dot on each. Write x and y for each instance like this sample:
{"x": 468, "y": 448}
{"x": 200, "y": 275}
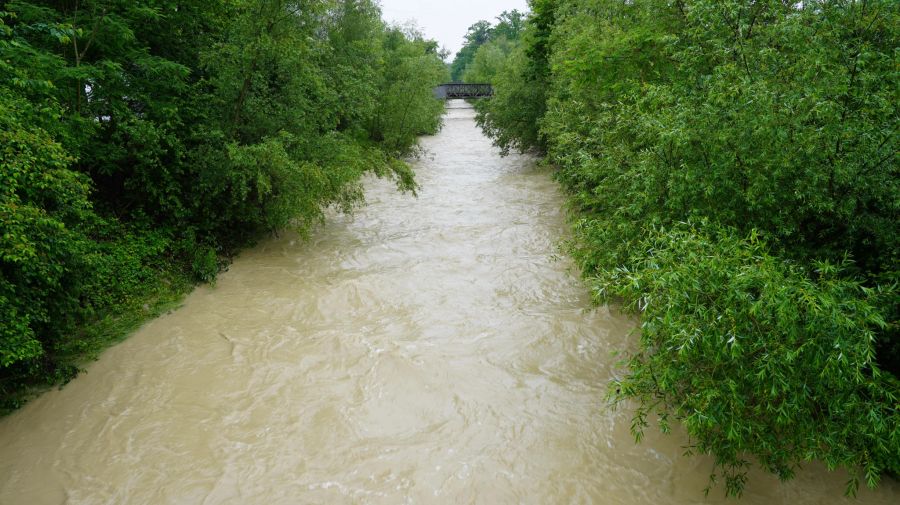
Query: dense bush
{"x": 520, "y": 94}
{"x": 755, "y": 355}
{"x": 143, "y": 142}
{"x": 770, "y": 322}
{"x": 40, "y": 254}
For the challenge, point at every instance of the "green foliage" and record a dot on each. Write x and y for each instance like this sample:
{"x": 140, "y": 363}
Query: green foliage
{"x": 478, "y": 34}
{"x": 510, "y": 25}
{"x": 489, "y": 60}
{"x": 757, "y": 356}
{"x": 500, "y": 37}
{"x": 770, "y": 120}
{"x": 40, "y": 200}
{"x": 406, "y": 107}
{"x": 143, "y": 143}
{"x": 512, "y": 117}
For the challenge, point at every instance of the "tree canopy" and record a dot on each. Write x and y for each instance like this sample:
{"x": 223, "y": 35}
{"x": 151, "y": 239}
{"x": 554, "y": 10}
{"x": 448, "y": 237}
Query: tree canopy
{"x": 144, "y": 142}
{"x": 732, "y": 168}
{"x": 497, "y": 41}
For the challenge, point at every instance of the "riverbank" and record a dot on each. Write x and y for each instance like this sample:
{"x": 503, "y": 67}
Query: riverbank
{"x": 172, "y": 137}
{"x": 432, "y": 349}
{"x": 752, "y": 231}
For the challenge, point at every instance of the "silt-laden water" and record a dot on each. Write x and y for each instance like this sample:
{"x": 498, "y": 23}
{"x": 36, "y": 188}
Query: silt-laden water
{"x": 428, "y": 350}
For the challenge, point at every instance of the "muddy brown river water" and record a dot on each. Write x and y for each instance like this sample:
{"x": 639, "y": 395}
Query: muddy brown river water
{"x": 429, "y": 350}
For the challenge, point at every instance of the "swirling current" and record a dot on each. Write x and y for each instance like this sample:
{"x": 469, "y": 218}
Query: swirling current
{"x": 431, "y": 350}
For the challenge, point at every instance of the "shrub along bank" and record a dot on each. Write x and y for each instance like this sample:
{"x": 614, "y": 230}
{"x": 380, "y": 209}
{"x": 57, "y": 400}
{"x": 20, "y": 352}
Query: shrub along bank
{"x": 143, "y": 142}
{"x": 732, "y": 167}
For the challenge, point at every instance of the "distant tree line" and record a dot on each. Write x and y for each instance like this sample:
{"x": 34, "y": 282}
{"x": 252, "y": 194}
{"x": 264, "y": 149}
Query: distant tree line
{"x": 486, "y": 47}
{"x": 732, "y": 166}
{"x": 143, "y": 142}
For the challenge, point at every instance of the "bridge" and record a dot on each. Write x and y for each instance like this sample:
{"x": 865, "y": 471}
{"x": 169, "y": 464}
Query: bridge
{"x": 460, "y": 90}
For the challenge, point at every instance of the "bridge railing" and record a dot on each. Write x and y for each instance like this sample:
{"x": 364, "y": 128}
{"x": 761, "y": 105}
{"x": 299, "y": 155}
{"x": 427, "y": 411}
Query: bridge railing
{"x": 463, "y": 90}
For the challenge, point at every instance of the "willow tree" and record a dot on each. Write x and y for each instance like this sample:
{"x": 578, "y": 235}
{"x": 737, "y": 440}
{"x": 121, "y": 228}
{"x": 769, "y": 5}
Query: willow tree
{"x": 733, "y": 165}
{"x": 145, "y": 142}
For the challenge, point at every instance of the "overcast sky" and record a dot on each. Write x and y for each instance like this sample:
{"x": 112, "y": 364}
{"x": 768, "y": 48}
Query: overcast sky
{"x": 447, "y": 20}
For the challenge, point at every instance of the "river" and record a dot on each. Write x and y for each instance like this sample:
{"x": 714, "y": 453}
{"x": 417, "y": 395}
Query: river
{"x": 424, "y": 350}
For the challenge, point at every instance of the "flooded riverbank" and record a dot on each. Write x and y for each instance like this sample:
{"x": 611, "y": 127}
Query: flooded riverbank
{"x": 425, "y": 350}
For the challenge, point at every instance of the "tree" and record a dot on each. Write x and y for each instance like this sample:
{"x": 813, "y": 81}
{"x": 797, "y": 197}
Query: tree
{"x": 145, "y": 142}
{"x": 488, "y": 61}
{"x": 509, "y": 27}
{"x": 733, "y": 168}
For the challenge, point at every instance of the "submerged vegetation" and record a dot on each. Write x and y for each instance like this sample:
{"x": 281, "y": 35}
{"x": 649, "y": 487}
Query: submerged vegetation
{"x": 142, "y": 143}
{"x": 732, "y": 169}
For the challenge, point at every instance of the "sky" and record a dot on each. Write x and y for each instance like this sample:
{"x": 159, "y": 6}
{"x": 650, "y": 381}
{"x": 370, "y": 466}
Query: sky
{"x": 447, "y": 20}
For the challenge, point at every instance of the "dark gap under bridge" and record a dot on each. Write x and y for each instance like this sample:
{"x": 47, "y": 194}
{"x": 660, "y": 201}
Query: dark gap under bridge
{"x": 463, "y": 90}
